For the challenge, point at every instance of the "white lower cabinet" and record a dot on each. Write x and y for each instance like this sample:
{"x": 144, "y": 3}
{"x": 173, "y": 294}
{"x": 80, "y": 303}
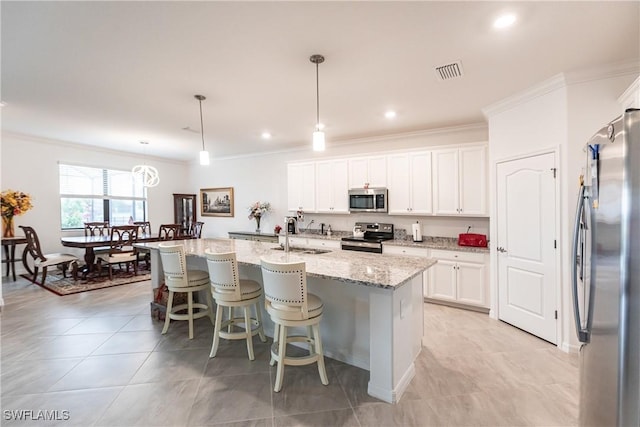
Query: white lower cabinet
{"x": 323, "y": 243}
{"x": 459, "y": 277}
{"x": 310, "y": 242}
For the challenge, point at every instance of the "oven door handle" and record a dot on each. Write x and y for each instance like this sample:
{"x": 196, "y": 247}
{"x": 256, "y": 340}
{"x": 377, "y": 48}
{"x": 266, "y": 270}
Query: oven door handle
{"x": 361, "y": 244}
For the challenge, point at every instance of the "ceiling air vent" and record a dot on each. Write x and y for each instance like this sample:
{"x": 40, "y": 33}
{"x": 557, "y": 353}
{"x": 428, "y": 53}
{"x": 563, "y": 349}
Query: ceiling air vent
{"x": 449, "y": 71}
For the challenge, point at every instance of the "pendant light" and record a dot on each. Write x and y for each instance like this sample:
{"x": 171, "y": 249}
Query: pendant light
{"x": 150, "y": 176}
{"x": 204, "y": 154}
{"x": 318, "y": 135}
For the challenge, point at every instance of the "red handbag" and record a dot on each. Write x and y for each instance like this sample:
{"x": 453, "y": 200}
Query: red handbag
{"x": 472, "y": 239}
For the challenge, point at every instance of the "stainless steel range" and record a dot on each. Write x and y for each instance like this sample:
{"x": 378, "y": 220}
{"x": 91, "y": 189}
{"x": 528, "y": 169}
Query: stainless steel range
{"x": 372, "y": 238}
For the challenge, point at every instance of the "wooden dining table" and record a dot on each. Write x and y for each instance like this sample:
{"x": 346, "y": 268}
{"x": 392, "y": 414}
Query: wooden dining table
{"x": 89, "y": 243}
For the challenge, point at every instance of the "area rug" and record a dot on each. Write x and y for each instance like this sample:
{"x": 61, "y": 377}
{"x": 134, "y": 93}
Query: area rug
{"x": 66, "y": 286}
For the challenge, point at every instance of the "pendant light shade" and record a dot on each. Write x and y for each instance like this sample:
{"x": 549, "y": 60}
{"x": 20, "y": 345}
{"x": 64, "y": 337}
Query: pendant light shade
{"x": 204, "y": 154}
{"x": 318, "y": 141}
{"x": 204, "y": 158}
{"x": 150, "y": 175}
{"x": 318, "y": 135}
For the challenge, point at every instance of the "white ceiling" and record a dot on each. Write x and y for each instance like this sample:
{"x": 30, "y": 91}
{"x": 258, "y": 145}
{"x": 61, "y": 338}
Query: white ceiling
{"x": 111, "y": 74}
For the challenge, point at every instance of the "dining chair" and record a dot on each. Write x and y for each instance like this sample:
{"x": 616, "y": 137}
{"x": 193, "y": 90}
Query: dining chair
{"x": 96, "y": 228}
{"x": 195, "y": 230}
{"x": 121, "y": 249}
{"x": 290, "y": 305}
{"x": 44, "y": 261}
{"x": 144, "y": 227}
{"x": 229, "y": 291}
{"x": 178, "y": 278}
{"x": 169, "y": 231}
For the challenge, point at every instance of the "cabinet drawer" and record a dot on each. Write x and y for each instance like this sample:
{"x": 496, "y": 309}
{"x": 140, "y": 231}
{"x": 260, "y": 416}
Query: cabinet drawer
{"x": 324, "y": 243}
{"x": 458, "y": 256}
{"x": 405, "y": 250}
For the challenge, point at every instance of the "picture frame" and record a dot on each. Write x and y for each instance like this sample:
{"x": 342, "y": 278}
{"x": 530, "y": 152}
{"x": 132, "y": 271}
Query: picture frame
{"x": 216, "y": 201}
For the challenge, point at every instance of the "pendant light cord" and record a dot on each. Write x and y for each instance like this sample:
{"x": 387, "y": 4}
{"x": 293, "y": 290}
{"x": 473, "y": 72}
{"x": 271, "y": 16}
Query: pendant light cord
{"x": 317, "y": 98}
{"x": 201, "y": 125}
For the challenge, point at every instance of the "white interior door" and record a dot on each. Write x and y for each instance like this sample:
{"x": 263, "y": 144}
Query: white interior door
{"x": 526, "y": 222}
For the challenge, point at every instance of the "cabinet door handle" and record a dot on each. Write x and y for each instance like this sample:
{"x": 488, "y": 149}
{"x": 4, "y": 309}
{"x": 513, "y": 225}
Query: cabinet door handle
{"x": 501, "y": 249}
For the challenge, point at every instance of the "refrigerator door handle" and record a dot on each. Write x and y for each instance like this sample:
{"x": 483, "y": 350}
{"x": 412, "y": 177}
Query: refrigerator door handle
{"x": 578, "y": 261}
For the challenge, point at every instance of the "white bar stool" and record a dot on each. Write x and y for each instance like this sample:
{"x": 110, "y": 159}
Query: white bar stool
{"x": 179, "y": 279}
{"x": 289, "y": 305}
{"x": 230, "y": 291}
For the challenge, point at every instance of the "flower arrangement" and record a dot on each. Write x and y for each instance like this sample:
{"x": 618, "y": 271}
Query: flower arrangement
{"x": 256, "y": 211}
{"x": 14, "y": 203}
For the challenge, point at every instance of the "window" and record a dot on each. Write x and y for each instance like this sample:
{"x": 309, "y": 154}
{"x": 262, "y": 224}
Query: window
{"x": 95, "y": 194}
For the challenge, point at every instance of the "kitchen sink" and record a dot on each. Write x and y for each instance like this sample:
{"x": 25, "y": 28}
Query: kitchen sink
{"x": 310, "y": 251}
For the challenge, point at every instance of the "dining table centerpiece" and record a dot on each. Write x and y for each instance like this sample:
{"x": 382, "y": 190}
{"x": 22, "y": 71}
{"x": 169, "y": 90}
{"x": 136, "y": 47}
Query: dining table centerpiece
{"x": 14, "y": 203}
{"x": 256, "y": 211}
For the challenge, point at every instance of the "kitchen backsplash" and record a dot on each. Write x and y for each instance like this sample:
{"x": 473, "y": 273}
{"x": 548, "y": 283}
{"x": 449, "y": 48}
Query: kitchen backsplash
{"x": 431, "y": 226}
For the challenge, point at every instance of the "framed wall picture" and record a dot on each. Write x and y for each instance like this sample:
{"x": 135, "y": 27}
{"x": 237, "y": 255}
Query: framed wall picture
{"x": 216, "y": 201}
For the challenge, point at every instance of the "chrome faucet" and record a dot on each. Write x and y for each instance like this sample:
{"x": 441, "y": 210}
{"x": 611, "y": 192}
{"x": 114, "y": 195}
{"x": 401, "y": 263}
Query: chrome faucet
{"x": 307, "y": 227}
{"x": 287, "y": 220}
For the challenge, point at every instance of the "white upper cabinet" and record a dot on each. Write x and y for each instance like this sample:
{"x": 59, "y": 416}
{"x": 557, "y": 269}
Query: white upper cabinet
{"x": 409, "y": 183}
{"x": 301, "y": 187}
{"x": 332, "y": 186}
{"x": 460, "y": 181}
{"x": 368, "y": 171}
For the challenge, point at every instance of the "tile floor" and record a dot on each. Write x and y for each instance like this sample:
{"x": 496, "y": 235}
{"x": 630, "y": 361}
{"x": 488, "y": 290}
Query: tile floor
{"x": 100, "y": 357}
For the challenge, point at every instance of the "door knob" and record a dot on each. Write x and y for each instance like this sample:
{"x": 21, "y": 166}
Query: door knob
{"x": 501, "y": 249}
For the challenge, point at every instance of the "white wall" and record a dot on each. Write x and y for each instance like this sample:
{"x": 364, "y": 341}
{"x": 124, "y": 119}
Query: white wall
{"x": 263, "y": 177}
{"x": 31, "y": 165}
{"x": 559, "y": 114}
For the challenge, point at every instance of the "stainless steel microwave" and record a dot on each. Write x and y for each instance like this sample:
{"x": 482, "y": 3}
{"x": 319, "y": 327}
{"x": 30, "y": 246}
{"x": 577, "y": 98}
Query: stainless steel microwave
{"x": 368, "y": 200}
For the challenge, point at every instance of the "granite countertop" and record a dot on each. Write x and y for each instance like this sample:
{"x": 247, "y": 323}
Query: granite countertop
{"x": 361, "y": 268}
{"x": 428, "y": 242}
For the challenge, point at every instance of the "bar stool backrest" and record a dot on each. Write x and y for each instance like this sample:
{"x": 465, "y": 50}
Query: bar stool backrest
{"x": 223, "y": 273}
{"x": 174, "y": 265}
{"x": 285, "y": 288}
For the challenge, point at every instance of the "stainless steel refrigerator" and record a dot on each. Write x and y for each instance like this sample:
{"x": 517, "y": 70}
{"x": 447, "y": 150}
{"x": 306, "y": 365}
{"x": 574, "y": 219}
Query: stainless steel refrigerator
{"x": 606, "y": 275}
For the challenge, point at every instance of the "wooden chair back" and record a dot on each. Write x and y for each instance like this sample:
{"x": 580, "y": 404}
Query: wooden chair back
{"x": 144, "y": 227}
{"x": 122, "y": 239}
{"x": 33, "y": 243}
{"x": 96, "y": 228}
{"x": 196, "y": 229}
{"x": 169, "y": 231}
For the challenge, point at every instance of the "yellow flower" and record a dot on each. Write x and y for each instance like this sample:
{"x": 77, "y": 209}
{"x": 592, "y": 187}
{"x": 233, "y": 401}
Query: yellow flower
{"x": 15, "y": 203}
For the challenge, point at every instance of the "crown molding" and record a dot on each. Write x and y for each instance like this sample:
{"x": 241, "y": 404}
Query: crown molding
{"x": 550, "y": 85}
{"x": 561, "y": 81}
{"x": 95, "y": 148}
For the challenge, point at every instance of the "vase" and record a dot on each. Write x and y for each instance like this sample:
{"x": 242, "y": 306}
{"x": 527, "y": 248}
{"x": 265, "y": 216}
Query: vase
{"x": 257, "y": 224}
{"x": 7, "y": 227}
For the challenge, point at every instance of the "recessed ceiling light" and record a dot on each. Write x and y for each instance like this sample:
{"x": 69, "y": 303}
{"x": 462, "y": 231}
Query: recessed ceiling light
{"x": 3, "y": 104}
{"x": 504, "y": 21}
{"x": 390, "y": 114}
{"x": 266, "y": 135}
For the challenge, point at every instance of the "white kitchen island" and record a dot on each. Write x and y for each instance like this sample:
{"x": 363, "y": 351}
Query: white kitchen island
{"x": 373, "y": 303}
